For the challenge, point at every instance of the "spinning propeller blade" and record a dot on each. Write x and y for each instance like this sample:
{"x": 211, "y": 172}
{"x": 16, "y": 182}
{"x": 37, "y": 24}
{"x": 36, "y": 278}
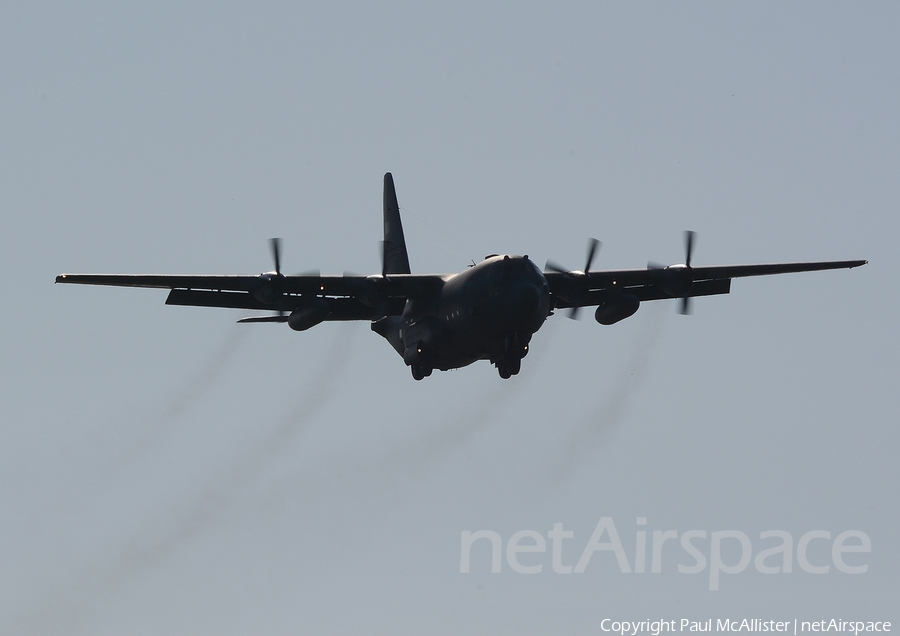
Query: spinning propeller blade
{"x": 275, "y": 244}
{"x": 688, "y": 246}
{"x": 688, "y": 249}
{"x": 593, "y": 246}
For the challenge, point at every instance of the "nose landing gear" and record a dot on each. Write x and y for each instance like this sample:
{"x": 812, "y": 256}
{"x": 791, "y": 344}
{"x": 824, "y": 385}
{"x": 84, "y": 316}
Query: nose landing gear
{"x": 420, "y": 370}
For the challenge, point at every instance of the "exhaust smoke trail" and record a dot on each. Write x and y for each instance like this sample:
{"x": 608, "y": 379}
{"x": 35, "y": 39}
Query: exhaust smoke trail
{"x": 454, "y": 430}
{"x": 613, "y": 405}
{"x": 145, "y": 436}
{"x": 71, "y": 604}
{"x": 416, "y": 455}
{"x": 447, "y": 434}
{"x": 412, "y": 458}
{"x": 206, "y": 377}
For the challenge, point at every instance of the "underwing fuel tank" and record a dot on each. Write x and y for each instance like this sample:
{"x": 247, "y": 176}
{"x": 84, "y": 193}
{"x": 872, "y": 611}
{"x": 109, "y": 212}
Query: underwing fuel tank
{"x": 310, "y": 314}
{"x": 616, "y": 309}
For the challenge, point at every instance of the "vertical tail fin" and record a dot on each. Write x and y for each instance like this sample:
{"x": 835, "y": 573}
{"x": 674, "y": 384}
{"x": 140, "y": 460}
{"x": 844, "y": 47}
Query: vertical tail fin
{"x": 394, "y": 259}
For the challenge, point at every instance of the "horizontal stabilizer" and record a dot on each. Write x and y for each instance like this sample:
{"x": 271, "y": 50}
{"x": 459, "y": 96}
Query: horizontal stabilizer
{"x": 281, "y": 318}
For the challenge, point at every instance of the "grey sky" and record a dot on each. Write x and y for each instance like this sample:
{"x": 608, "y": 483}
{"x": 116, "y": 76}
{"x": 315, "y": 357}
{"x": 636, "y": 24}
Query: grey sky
{"x": 163, "y": 470}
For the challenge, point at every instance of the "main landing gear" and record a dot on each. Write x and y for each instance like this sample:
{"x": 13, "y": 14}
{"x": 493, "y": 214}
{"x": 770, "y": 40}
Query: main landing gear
{"x": 511, "y": 362}
{"x": 420, "y": 370}
{"x": 509, "y": 367}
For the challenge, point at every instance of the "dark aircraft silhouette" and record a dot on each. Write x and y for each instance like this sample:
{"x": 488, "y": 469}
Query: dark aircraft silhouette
{"x": 445, "y": 321}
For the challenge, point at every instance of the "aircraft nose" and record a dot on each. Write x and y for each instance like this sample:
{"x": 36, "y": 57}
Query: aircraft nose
{"x": 527, "y": 298}
{"x": 529, "y": 306}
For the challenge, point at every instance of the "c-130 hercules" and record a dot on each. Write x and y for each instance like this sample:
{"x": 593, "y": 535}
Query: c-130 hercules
{"x": 489, "y": 311}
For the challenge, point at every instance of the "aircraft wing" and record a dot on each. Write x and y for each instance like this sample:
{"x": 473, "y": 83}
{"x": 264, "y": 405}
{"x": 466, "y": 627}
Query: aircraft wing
{"x": 579, "y": 289}
{"x": 351, "y": 297}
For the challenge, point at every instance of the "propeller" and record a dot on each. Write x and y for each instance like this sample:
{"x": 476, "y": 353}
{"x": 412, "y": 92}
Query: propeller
{"x": 579, "y": 279}
{"x": 593, "y": 246}
{"x": 685, "y": 309}
{"x": 275, "y": 244}
{"x": 270, "y": 286}
{"x": 678, "y": 279}
{"x": 689, "y": 235}
{"x": 688, "y": 249}
{"x": 688, "y": 246}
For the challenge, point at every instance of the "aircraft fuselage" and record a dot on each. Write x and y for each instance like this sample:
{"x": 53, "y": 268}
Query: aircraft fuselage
{"x": 487, "y": 312}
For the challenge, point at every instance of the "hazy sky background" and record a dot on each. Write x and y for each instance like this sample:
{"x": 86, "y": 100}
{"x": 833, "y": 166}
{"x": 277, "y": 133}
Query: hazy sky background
{"x": 164, "y": 470}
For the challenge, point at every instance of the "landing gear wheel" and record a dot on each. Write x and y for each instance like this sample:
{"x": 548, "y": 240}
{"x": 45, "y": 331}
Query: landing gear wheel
{"x": 508, "y": 368}
{"x": 420, "y": 371}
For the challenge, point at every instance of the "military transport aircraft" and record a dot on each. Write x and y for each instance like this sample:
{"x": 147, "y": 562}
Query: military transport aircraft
{"x": 445, "y": 321}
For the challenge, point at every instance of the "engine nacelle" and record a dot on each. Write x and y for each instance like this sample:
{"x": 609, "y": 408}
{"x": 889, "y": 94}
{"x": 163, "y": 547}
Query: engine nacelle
{"x": 269, "y": 288}
{"x": 369, "y": 291}
{"x": 616, "y": 309}
{"x": 676, "y": 280}
{"x": 310, "y": 314}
